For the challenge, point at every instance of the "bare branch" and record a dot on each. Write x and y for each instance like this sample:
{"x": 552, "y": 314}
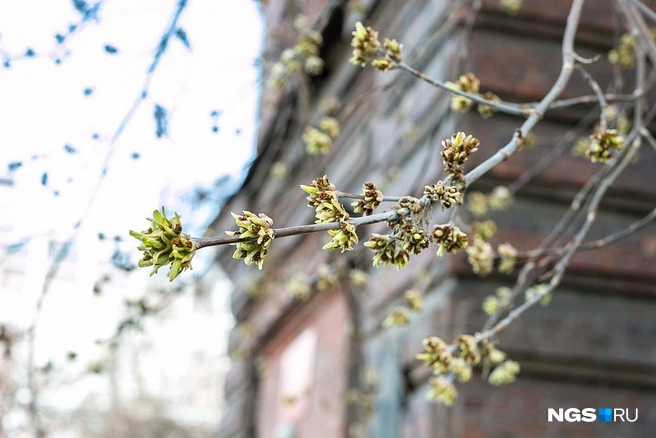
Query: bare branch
{"x": 504, "y": 107}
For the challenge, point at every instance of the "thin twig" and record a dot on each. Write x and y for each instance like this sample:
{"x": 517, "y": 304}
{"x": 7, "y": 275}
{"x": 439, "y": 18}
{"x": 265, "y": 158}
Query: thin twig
{"x": 590, "y": 98}
{"x": 650, "y": 138}
{"x": 571, "y": 249}
{"x": 463, "y": 52}
{"x": 526, "y": 275}
{"x": 355, "y": 196}
{"x": 553, "y": 154}
{"x": 603, "y": 105}
{"x": 598, "y": 243}
{"x": 202, "y": 242}
{"x": 604, "y": 178}
{"x": 504, "y": 107}
{"x": 473, "y": 175}
{"x": 645, "y": 9}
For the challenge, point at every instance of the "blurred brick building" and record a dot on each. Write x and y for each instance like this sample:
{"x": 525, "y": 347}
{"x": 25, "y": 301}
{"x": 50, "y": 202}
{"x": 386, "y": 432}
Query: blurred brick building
{"x": 296, "y": 363}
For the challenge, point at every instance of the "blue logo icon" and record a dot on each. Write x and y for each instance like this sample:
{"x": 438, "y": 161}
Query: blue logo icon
{"x": 605, "y": 415}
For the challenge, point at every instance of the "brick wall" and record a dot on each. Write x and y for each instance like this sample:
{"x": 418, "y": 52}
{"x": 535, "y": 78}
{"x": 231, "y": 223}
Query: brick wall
{"x": 592, "y": 347}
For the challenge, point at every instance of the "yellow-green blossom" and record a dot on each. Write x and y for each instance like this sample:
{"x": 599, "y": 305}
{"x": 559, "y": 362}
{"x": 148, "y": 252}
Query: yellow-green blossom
{"x": 260, "y": 234}
{"x": 442, "y": 390}
{"x": 414, "y": 300}
{"x": 448, "y": 238}
{"x": 164, "y": 243}
{"x": 504, "y": 373}
{"x": 398, "y": 317}
{"x": 508, "y": 255}
{"x": 343, "y": 238}
{"x": 365, "y": 45}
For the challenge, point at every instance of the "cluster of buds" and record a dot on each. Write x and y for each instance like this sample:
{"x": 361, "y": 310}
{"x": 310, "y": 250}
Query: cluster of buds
{"x": 462, "y": 369}
{"x": 414, "y": 300}
{"x": 330, "y": 211}
{"x": 372, "y": 199}
{"x": 414, "y": 205}
{"x": 436, "y": 355}
{"x": 358, "y": 277}
{"x": 323, "y": 198}
{"x": 616, "y": 117}
{"x": 500, "y": 198}
{"x": 357, "y": 6}
{"x": 387, "y": 250}
{"x": 467, "y": 83}
{"x": 511, "y": 7}
{"x": 316, "y": 141}
{"x": 365, "y": 45}
{"x": 491, "y": 355}
{"x": 299, "y": 287}
{"x": 414, "y": 238}
{"x": 486, "y": 111}
{"x": 581, "y": 145}
{"x": 493, "y": 303}
{"x": 344, "y": 238}
{"x": 448, "y": 196}
{"x": 442, "y": 360}
{"x": 602, "y": 145}
{"x": 367, "y": 48}
{"x": 468, "y": 349}
{"x": 480, "y": 256}
{"x": 256, "y": 228}
{"x": 504, "y": 373}
{"x": 320, "y": 191}
{"x": 307, "y": 47}
{"x": 279, "y": 171}
{"x": 536, "y": 291}
{"x": 398, "y": 317}
{"x": 330, "y": 126}
{"x": 508, "y": 256}
{"x": 456, "y": 150}
{"x": 484, "y": 230}
{"x": 528, "y": 142}
{"x": 477, "y": 203}
{"x": 480, "y": 253}
{"x": 625, "y": 54}
{"x": 329, "y": 105}
{"x": 392, "y": 56}
{"x": 448, "y": 238}
{"x": 458, "y": 360}
{"x": 305, "y": 53}
{"x": 164, "y": 243}
{"x": 442, "y": 389}
{"x": 320, "y": 140}
{"x": 326, "y": 278}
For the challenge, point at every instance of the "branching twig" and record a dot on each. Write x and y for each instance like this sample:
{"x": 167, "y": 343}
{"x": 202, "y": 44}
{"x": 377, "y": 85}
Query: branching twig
{"x": 392, "y": 215}
{"x": 504, "y": 107}
{"x": 597, "y": 243}
{"x": 561, "y": 266}
{"x": 555, "y": 152}
{"x": 645, "y": 9}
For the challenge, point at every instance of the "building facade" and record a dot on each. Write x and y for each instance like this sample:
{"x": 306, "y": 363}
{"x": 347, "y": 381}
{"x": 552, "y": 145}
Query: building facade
{"x": 323, "y": 366}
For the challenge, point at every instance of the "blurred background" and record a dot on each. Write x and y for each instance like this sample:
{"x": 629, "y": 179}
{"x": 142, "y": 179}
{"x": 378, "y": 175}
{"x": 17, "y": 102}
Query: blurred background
{"x": 108, "y": 110}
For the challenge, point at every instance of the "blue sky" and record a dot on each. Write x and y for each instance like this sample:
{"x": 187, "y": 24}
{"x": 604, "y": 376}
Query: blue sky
{"x": 48, "y": 109}
{"x": 61, "y": 105}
